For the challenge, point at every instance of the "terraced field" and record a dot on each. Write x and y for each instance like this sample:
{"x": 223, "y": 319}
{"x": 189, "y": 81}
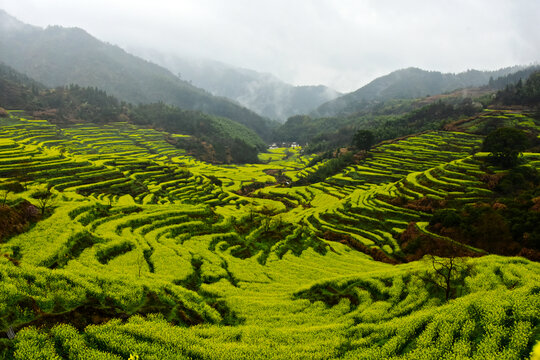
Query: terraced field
{"x": 146, "y": 251}
{"x": 491, "y": 118}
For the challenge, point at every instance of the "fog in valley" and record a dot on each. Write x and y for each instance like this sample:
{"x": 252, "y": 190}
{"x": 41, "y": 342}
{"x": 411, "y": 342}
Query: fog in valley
{"x": 340, "y": 44}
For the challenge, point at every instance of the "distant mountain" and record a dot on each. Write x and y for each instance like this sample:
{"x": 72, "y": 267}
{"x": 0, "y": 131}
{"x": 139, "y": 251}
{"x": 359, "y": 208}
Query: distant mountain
{"x": 408, "y": 83}
{"x": 17, "y": 91}
{"x": 388, "y": 119}
{"x": 57, "y": 56}
{"x": 263, "y": 93}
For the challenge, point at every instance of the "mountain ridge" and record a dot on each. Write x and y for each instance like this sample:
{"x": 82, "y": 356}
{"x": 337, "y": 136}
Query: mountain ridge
{"x": 261, "y": 92}
{"x": 57, "y": 56}
{"x": 408, "y": 83}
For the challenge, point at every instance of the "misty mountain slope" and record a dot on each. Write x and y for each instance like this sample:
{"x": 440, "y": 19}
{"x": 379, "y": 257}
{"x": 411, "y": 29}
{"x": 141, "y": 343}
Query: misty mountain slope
{"x": 59, "y": 56}
{"x": 261, "y": 92}
{"x": 407, "y": 83}
{"x": 211, "y": 138}
{"x": 17, "y": 91}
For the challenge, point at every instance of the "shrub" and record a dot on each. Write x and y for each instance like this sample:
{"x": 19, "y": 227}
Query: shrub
{"x": 446, "y": 217}
{"x": 505, "y": 145}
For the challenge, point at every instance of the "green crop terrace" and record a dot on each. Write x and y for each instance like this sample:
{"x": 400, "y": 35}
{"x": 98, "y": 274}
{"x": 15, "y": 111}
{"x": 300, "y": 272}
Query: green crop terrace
{"x": 145, "y": 251}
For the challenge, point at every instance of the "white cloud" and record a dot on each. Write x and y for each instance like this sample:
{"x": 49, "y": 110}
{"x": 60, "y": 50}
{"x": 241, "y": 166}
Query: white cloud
{"x": 343, "y": 44}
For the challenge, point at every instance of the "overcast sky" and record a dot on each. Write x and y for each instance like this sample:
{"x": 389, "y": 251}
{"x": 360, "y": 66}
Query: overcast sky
{"x": 340, "y": 43}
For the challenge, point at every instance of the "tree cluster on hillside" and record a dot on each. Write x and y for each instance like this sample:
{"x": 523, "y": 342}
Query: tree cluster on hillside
{"x": 304, "y": 128}
{"x": 502, "y": 82}
{"x": 363, "y": 139}
{"x": 505, "y": 145}
{"x": 17, "y": 90}
{"x": 75, "y": 104}
{"x": 508, "y": 225}
{"x": 527, "y": 93}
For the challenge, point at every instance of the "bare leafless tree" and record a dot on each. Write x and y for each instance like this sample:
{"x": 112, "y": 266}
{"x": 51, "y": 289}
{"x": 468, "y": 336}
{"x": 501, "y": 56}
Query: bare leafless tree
{"x": 447, "y": 273}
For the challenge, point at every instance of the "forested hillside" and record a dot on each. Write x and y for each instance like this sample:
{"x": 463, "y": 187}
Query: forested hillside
{"x": 57, "y": 56}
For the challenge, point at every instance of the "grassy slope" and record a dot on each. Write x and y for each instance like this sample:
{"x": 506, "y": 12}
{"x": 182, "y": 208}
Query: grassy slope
{"x": 140, "y": 228}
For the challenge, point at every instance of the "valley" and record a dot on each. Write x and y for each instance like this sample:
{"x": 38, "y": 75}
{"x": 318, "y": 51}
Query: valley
{"x": 169, "y": 206}
{"x": 143, "y": 250}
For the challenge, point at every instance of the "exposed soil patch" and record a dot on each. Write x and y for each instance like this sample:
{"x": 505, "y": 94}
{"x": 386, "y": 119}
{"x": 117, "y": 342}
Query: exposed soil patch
{"x": 416, "y": 244}
{"x": 17, "y": 219}
{"x": 376, "y": 254}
